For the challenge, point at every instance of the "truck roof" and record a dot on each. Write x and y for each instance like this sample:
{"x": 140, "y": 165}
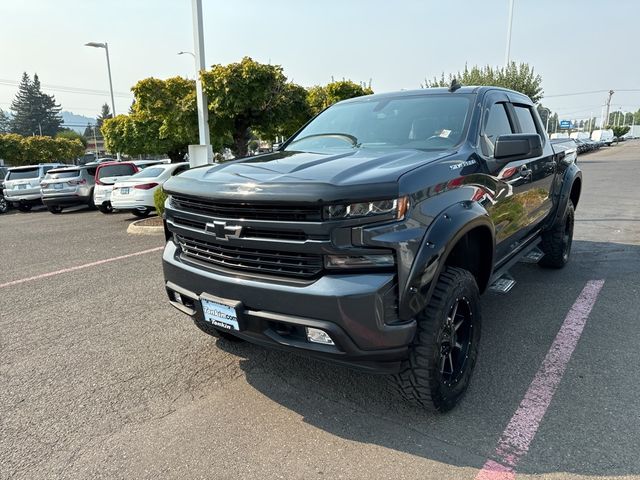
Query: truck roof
{"x": 439, "y": 91}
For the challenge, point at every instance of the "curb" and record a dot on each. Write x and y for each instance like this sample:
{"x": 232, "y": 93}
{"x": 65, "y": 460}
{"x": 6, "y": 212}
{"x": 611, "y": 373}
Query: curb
{"x": 135, "y": 229}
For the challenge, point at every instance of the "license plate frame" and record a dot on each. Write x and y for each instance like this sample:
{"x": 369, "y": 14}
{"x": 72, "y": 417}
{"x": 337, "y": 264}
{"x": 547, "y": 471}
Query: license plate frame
{"x": 124, "y": 191}
{"x": 58, "y": 186}
{"x": 221, "y": 312}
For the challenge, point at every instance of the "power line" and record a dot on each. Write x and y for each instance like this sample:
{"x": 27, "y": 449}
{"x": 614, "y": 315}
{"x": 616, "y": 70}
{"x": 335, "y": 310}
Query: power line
{"x": 66, "y": 89}
{"x": 592, "y": 91}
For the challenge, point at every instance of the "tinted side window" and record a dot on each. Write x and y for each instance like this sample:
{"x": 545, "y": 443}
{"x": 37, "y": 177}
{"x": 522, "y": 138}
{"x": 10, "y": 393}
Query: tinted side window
{"x": 116, "y": 170}
{"x": 497, "y": 124}
{"x": 181, "y": 169}
{"x": 525, "y": 119}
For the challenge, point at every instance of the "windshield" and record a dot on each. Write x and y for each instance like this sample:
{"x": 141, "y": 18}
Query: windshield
{"x": 149, "y": 173}
{"x": 425, "y": 122}
{"x": 23, "y": 173}
{"x": 116, "y": 170}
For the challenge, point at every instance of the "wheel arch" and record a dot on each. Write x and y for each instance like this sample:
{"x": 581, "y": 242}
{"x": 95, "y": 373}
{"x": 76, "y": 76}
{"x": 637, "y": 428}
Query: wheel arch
{"x": 463, "y": 226}
{"x": 576, "y": 190}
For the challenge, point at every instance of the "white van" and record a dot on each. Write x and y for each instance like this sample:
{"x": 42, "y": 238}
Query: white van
{"x": 604, "y": 136}
{"x": 580, "y": 136}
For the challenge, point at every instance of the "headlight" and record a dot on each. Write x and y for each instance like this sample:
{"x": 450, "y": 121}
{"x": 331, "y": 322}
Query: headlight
{"x": 355, "y": 261}
{"x": 397, "y": 206}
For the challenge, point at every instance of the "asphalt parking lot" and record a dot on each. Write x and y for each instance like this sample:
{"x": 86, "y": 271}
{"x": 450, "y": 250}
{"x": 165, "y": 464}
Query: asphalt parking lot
{"x": 101, "y": 378}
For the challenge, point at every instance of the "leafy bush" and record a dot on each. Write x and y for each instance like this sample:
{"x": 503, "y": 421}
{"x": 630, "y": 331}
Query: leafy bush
{"x": 159, "y": 198}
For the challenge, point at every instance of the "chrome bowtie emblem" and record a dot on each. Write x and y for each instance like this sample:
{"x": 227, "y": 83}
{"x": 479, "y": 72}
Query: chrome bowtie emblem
{"x": 222, "y": 231}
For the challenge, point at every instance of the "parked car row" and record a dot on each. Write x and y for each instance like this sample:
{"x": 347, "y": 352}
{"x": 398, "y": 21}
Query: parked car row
{"x": 587, "y": 145}
{"x": 132, "y": 185}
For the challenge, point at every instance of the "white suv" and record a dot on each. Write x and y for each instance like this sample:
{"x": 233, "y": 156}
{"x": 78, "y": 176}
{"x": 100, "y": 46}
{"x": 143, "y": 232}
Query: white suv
{"x": 22, "y": 184}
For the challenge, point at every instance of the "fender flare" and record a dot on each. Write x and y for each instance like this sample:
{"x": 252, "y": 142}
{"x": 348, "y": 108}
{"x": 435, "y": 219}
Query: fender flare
{"x": 571, "y": 174}
{"x": 438, "y": 242}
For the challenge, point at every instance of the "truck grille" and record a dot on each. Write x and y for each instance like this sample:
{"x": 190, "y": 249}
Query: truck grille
{"x": 248, "y": 211}
{"x": 251, "y": 260}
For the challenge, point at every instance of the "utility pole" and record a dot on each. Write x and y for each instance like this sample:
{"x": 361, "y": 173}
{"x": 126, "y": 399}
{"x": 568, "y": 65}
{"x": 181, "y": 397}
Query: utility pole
{"x": 606, "y": 117}
{"x": 200, "y": 154}
{"x": 508, "y": 51}
{"x": 95, "y": 141}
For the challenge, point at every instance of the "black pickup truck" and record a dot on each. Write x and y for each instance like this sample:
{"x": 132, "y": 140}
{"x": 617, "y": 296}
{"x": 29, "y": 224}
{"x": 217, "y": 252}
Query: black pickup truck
{"x": 367, "y": 238}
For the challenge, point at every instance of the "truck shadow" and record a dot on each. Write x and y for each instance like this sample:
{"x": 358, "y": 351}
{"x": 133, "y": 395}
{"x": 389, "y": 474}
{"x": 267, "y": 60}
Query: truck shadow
{"x": 518, "y": 329}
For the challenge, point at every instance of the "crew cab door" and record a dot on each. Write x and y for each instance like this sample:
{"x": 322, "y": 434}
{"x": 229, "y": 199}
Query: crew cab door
{"x": 536, "y": 194}
{"x": 520, "y": 190}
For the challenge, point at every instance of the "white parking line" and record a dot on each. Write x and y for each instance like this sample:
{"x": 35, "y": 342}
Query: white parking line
{"x": 521, "y": 430}
{"x": 79, "y": 267}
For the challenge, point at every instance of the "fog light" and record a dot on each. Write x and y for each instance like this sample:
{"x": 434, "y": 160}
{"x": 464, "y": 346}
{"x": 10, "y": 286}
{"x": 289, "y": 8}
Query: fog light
{"x": 315, "y": 335}
{"x": 177, "y": 297}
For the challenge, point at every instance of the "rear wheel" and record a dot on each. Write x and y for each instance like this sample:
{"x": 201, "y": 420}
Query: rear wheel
{"x": 24, "y": 207}
{"x": 54, "y": 209}
{"x": 4, "y": 205}
{"x": 141, "y": 212}
{"x": 443, "y": 353}
{"x": 556, "y": 242}
{"x": 214, "y": 332}
{"x": 106, "y": 208}
{"x": 91, "y": 203}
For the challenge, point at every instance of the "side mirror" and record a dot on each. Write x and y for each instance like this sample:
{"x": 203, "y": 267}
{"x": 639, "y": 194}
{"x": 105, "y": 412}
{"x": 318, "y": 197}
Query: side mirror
{"x": 517, "y": 146}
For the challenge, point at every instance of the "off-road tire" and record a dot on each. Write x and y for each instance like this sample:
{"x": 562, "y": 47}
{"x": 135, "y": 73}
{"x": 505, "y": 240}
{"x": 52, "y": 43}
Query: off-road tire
{"x": 420, "y": 380}
{"x": 556, "y": 242}
{"x": 214, "y": 332}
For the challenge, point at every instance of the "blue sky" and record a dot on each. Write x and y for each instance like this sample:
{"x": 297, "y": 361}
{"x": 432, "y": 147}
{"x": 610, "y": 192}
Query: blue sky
{"x": 575, "y": 45}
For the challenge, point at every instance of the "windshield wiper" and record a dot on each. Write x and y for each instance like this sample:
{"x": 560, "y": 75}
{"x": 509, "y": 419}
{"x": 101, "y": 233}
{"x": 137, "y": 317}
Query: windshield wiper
{"x": 353, "y": 140}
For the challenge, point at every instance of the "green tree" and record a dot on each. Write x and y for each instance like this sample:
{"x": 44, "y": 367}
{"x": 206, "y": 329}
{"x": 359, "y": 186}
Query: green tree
{"x": 72, "y": 135}
{"x": 521, "y": 78}
{"x": 34, "y": 112}
{"x": 619, "y": 130}
{"x": 321, "y": 97}
{"x": 11, "y": 148}
{"x": 20, "y": 150}
{"x": 250, "y": 96}
{"x": 5, "y": 122}
{"x": 105, "y": 112}
{"x": 162, "y": 120}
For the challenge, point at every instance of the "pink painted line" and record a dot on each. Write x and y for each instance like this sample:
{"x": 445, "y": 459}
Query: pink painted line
{"x": 78, "y": 267}
{"x": 521, "y": 430}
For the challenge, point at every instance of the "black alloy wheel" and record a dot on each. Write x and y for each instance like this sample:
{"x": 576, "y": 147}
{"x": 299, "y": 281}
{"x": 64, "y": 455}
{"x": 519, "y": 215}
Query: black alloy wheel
{"x": 456, "y": 338}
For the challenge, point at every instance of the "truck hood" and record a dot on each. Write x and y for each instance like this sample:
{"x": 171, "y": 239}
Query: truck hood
{"x": 304, "y": 176}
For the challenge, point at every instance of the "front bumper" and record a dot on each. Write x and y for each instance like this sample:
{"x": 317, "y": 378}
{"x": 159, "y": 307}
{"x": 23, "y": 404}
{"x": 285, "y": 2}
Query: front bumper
{"x": 349, "y": 307}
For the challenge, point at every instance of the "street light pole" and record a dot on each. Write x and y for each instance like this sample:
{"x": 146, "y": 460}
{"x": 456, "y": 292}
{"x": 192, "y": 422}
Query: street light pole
{"x": 508, "y": 51}
{"x": 113, "y": 103}
{"x": 203, "y": 152}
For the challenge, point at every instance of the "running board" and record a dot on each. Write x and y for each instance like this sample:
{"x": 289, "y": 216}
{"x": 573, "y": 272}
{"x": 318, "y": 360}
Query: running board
{"x": 502, "y": 284}
{"x": 533, "y": 256}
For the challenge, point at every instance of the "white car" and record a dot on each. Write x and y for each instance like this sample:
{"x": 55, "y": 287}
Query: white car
{"x": 106, "y": 176}
{"x": 135, "y": 193}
